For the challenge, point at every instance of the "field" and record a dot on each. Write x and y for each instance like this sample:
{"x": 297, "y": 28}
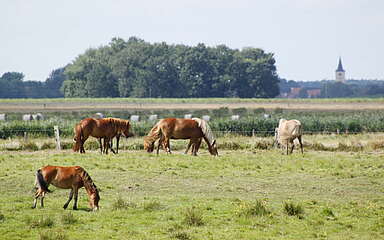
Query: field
{"x": 251, "y": 191}
{"x": 242, "y": 194}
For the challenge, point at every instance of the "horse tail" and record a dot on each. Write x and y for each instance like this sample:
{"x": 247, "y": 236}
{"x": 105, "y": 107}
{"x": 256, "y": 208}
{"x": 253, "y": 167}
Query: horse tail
{"x": 43, "y": 185}
{"x": 79, "y": 136}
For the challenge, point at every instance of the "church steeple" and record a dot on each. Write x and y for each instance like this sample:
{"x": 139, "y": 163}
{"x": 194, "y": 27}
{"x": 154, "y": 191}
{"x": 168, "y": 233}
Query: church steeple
{"x": 340, "y": 72}
{"x": 340, "y": 66}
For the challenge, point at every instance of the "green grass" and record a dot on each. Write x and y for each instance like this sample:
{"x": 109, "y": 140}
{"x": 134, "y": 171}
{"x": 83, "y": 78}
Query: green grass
{"x": 144, "y": 196}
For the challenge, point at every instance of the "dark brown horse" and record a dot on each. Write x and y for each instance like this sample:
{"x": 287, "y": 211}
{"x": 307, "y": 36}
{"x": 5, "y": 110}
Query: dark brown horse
{"x": 178, "y": 128}
{"x": 67, "y": 178}
{"x": 105, "y": 128}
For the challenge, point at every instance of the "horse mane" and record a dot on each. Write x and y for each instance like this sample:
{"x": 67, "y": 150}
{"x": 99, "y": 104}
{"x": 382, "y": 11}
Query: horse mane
{"x": 206, "y": 129}
{"x": 88, "y": 183}
{"x": 153, "y": 135}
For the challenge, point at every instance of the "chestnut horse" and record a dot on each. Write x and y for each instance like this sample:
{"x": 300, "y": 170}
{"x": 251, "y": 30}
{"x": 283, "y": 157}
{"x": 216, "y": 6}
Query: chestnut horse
{"x": 106, "y": 128}
{"x": 67, "y": 178}
{"x": 178, "y": 128}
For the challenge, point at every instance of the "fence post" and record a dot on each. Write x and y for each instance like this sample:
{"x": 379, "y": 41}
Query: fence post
{"x": 25, "y": 137}
{"x": 57, "y": 137}
{"x": 253, "y": 132}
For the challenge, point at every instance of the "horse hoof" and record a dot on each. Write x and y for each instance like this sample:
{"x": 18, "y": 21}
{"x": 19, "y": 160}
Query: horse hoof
{"x": 65, "y": 207}
{"x": 75, "y": 208}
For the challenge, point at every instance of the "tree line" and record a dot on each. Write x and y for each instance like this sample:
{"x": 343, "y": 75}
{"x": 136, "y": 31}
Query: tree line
{"x": 136, "y": 68}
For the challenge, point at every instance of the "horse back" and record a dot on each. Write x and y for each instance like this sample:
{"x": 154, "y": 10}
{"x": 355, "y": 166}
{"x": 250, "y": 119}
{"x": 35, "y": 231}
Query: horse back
{"x": 63, "y": 177}
{"x": 179, "y": 128}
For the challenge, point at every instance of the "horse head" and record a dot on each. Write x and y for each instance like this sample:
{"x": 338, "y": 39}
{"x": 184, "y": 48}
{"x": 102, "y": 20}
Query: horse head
{"x": 213, "y": 149}
{"x": 148, "y": 145}
{"x": 94, "y": 199}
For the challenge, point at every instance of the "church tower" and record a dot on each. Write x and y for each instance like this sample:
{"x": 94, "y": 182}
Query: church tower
{"x": 340, "y": 72}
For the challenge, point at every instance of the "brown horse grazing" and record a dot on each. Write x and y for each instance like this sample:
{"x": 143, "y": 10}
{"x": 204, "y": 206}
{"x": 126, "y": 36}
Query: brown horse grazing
{"x": 106, "y": 128}
{"x": 67, "y": 178}
{"x": 178, "y": 128}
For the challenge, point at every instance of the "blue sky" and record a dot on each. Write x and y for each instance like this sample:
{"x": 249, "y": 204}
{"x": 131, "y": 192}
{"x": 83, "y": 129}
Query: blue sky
{"x": 306, "y": 36}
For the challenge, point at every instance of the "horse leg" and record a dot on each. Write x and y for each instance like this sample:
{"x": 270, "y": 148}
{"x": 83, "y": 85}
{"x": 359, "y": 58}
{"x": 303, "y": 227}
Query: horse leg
{"x": 293, "y": 146}
{"x": 287, "y": 146}
{"x": 189, "y": 145}
{"x": 197, "y": 146}
{"x": 111, "y": 146}
{"x": 101, "y": 146}
{"x": 76, "y": 192}
{"x": 301, "y": 145}
{"x": 37, "y": 195}
{"x": 168, "y": 146}
{"x": 117, "y": 143}
{"x": 69, "y": 199}
{"x": 42, "y": 199}
{"x": 82, "y": 141}
{"x": 160, "y": 143}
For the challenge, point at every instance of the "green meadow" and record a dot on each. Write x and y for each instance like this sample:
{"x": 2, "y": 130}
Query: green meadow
{"x": 245, "y": 193}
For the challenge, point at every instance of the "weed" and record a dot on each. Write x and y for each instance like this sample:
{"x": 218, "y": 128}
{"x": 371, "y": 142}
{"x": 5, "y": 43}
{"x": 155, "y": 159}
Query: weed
{"x": 193, "y": 217}
{"x": 2, "y": 218}
{"x": 293, "y": 209}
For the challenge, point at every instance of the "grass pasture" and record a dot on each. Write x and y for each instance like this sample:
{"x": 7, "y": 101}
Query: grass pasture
{"x": 242, "y": 194}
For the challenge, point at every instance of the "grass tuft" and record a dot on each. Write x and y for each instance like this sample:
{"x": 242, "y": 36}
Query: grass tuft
{"x": 52, "y": 235}
{"x": 193, "y": 217}
{"x": 68, "y": 218}
{"x": 181, "y": 236}
{"x": 41, "y": 222}
{"x": 293, "y": 209}
{"x": 256, "y": 208}
{"x": 2, "y": 217}
{"x": 121, "y": 204}
{"x": 152, "y": 205}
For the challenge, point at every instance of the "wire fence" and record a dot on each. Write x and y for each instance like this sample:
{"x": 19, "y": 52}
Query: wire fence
{"x": 254, "y": 133}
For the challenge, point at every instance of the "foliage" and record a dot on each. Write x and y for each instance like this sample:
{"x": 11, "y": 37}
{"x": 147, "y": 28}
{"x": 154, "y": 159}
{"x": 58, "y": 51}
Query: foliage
{"x": 136, "y": 68}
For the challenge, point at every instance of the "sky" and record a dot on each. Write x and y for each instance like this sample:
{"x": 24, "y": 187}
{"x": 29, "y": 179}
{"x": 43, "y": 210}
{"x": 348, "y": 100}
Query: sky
{"x": 307, "y": 37}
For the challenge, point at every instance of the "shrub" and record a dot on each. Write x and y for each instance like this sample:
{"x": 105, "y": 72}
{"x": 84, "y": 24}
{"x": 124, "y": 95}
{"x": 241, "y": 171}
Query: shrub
{"x": 193, "y": 217}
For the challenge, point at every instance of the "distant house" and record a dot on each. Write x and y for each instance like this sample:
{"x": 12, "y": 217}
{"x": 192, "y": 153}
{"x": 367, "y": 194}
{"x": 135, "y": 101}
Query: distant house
{"x": 313, "y": 93}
